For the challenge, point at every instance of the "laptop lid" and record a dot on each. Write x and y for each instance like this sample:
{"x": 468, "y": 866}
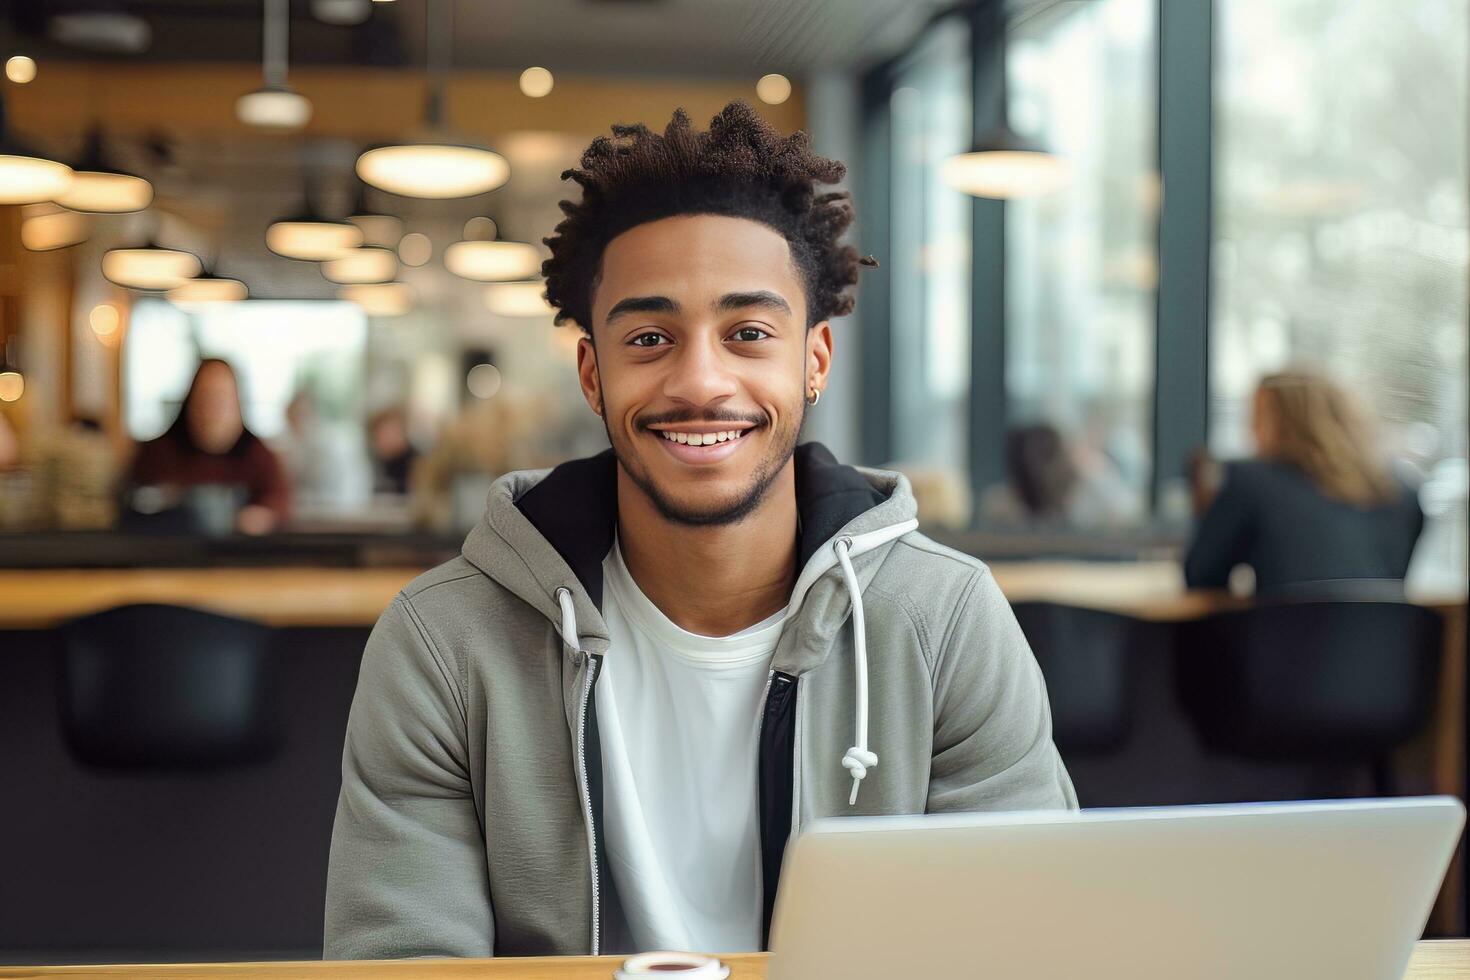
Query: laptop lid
{"x": 1334, "y": 890}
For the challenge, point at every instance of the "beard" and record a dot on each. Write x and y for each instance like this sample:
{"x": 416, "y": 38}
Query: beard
{"x": 712, "y": 513}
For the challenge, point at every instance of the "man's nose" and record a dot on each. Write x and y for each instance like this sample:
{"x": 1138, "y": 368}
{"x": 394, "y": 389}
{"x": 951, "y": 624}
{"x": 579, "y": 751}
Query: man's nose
{"x": 699, "y": 374}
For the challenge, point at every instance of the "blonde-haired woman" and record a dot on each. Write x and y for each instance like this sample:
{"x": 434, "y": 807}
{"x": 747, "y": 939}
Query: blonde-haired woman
{"x": 1317, "y": 504}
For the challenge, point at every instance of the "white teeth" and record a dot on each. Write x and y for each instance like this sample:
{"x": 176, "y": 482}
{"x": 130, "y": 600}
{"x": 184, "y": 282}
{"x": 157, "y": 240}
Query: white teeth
{"x": 702, "y": 438}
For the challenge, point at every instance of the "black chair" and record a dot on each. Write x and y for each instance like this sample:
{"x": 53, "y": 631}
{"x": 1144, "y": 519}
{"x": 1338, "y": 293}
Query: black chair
{"x": 164, "y": 687}
{"x": 1313, "y": 681}
{"x": 1085, "y": 656}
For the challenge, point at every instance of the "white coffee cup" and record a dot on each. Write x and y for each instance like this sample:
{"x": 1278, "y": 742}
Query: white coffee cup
{"x": 684, "y": 966}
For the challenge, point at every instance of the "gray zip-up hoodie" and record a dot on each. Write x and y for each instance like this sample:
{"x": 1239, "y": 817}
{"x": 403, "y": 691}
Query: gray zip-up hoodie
{"x": 469, "y": 819}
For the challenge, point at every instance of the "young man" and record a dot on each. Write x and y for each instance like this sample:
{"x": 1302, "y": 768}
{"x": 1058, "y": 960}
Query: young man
{"x": 597, "y": 729}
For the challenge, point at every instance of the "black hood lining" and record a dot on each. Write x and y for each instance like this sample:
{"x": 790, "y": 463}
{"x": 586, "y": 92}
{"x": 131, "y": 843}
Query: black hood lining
{"x": 575, "y": 508}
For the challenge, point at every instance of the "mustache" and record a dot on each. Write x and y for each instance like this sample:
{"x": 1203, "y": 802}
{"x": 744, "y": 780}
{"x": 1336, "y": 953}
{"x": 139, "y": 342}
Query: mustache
{"x": 672, "y": 418}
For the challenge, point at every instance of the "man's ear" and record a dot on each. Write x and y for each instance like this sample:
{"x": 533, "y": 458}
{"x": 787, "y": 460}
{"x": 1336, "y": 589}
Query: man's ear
{"x": 818, "y": 356}
{"x": 587, "y": 374}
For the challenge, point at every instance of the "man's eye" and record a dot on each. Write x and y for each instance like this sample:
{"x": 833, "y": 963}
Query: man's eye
{"x": 647, "y": 340}
{"x": 750, "y": 334}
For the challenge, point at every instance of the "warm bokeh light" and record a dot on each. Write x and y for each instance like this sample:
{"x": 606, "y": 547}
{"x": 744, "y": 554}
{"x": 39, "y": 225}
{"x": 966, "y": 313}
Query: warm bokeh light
{"x": 433, "y": 170}
{"x": 52, "y": 228}
{"x": 415, "y": 249}
{"x": 20, "y": 69}
{"x": 480, "y": 229}
{"x": 30, "y": 180}
{"x": 312, "y": 241}
{"x": 492, "y": 261}
{"x": 104, "y": 319}
{"x": 379, "y": 298}
{"x": 536, "y": 82}
{"x": 100, "y": 192}
{"x": 379, "y": 229}
{"x": 149, "y": 268}
{"x": 273, "y": 107}
{"x": 483, "y": 380}
{"x": 518, "y": 299}
{"x": 12, "y": 386}
{"x": 1005, "y": 174}
{"x": 210, "y": 290}
{"x": 773, "y": 89}
{"x": 370, "y": 263}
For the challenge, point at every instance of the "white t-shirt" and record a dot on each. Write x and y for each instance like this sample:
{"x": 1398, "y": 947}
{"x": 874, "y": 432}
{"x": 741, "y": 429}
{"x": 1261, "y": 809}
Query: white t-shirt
{"x": 677, "y": 714}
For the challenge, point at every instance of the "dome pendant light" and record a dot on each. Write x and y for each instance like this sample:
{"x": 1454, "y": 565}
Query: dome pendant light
{"x": 27, "y": 177}
{"x": 208, "y": 287}
{"x": 97, "y": 187}
{"x": 311, "y": 237}
{"x": 150, "y": 268}
{"x": 275, "y": 105}
{"x": 487, "y": 260}
{"x": 435, "y": 167}
{"x": 1000, "y": 163}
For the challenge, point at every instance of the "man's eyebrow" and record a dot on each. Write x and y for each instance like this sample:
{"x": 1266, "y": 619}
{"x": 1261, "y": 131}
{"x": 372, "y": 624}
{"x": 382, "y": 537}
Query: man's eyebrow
{"x": 642, "y": 304}
{"x": 761, "y": 299}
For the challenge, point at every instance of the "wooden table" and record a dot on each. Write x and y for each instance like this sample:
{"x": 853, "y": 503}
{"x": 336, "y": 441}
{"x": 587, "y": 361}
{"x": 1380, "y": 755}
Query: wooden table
{"x": 1442, "y": 960}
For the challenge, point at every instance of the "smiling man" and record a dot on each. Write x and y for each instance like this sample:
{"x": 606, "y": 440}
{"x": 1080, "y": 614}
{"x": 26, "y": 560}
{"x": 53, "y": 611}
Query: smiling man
{"x": 597, "y": 729}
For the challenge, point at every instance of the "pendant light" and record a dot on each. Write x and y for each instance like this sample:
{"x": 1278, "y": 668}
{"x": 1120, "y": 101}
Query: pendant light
{"x": 97, "y": 187}
{"x": 377, "y": 228}
{"x": 518, "y": 299}
{"x": 1000, "y": 163}
{"x": 27, "y": 176}
{"x": 208, "y": 287}
{"x": 434, "y": 167}
{"x": 275, "y": 105}
{"x": 379, "y": 298}
{"x": 47, "y": 227}
{"x": 484, "y": 259}
{"x": 310, "y": 236}
{"x": 368, "y": 264}
{"x": 151, "y": 267}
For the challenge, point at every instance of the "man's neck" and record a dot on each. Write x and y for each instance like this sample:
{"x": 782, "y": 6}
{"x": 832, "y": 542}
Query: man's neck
{"x": 714, "y": 580}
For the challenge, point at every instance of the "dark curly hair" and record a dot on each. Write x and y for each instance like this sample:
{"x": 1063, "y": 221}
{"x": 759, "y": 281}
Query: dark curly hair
{"x": 741, "y": 168}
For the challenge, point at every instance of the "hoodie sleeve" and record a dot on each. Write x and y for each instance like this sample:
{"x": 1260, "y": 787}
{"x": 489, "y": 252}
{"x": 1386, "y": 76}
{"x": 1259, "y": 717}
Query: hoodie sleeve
{"x": 992, "y": 723}
{"x": 407, "y": 874}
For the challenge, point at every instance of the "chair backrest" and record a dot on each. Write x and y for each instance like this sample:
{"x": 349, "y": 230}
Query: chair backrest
{"x": 152, "y": 686}
{"x": 1085, "y": 656}
{"x": 1331, "y": 681}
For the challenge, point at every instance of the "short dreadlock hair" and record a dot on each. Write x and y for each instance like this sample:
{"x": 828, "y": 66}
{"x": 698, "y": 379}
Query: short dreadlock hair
{"x": 742, "y": 167}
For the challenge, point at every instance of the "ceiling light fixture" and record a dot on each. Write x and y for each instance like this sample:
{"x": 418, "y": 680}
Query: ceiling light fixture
{"x": 415, "y": 249}
{"x": 47, "y": 227}
{"x": 275, "y": 105}
{"x": 379, "y": 299}
{"x": 492, "y": 261}
{"x": 773, "y": 89}
{"x": 368, "y": 264}
{"x": 1000, "y": 163}
{"x": 208, "y": 288}
{"x": 518, "y": 299}
{"x": 27, "y": 177}
{"x": 536, "y": 82}
{"x": 20, "y": 69}
{"x": 309, "y": 236}
{"x": 434, "y": 167}
{"x": 98, "y": 187}
{"x": 151, "y": 267}
{"x": 12, "y": 386}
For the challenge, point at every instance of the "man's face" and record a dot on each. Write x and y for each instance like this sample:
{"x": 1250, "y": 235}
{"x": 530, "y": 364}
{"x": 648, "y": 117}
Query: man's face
{"x": 700, "y": 330}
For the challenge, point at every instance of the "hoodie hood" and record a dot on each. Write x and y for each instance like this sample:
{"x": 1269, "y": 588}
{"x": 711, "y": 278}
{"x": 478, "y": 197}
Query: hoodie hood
{"x": 548, "y": 530}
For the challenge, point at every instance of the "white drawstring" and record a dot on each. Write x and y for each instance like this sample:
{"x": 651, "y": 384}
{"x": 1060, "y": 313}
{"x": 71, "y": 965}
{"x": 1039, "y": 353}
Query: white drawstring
{"x": 859, "y": 759}
{"x": 568, "y": 618}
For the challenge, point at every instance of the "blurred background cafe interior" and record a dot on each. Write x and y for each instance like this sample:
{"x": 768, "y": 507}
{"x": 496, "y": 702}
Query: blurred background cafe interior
{"x": 1139, "y": 259}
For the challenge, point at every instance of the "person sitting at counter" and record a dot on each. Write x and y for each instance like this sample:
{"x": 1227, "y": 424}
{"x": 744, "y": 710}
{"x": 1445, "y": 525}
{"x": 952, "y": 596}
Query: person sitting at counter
{"x": 1317, "y": 504}
{"x": 208, "y": 444}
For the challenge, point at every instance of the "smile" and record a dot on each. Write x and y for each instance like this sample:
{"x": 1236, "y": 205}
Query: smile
{"x": 701, "y": 448}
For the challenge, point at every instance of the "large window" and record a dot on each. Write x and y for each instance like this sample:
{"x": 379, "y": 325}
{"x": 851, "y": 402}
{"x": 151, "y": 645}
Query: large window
{"x": 929, "y": 254}
{"x": 1081, "y": 265}
{"x": 1341, "y": 219}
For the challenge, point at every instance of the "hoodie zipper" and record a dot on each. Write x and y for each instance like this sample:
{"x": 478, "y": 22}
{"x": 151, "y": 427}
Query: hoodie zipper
{"x": 587, "y": 815}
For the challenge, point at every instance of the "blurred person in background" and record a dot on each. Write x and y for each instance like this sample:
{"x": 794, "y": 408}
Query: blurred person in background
{"x": 324, "y": 459}
{"x": 1317, "y": 504}
{"x": 209, "y": 445}
{"x": 393, "y": 453}
{"x": 1053, "y": 483}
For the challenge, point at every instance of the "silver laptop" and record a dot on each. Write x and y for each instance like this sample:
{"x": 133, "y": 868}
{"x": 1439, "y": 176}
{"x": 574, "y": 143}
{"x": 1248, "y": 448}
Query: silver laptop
{"x": 1307, "y": 891}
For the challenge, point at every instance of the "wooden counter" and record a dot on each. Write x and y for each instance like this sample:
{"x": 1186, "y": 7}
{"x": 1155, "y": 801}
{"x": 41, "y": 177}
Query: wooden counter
{"x": 1444, "y": 960}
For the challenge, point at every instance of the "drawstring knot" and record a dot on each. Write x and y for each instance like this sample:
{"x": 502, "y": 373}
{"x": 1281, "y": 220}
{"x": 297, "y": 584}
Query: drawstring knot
{"x": 859, "y": 759}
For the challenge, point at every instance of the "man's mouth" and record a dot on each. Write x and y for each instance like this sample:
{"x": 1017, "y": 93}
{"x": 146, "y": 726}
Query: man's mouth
{"x": 700, "y": 447}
